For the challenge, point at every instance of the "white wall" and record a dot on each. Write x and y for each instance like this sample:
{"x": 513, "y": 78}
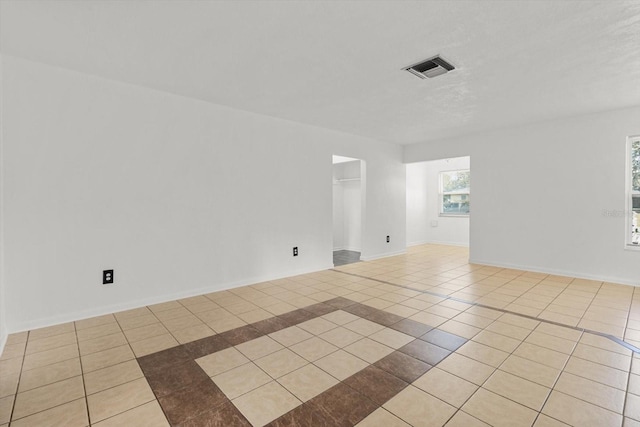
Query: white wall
{"x": 539, "y": 192}
{"x": 423, "y": 205}
{"x": 3, "y": 327}
{"x": 347, "y": 226}
{"x": 177, "y": 195}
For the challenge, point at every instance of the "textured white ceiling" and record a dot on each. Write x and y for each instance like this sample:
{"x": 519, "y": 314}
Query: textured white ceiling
{"x": 337, "y": 64}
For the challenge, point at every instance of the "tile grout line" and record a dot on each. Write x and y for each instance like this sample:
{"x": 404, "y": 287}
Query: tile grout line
{"x": 15, "y": 397}
{"x": 84, "y": 385}
{"x": 602, "y": 334}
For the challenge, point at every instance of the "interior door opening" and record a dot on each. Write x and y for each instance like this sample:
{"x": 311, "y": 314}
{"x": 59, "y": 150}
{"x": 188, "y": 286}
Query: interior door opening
{"x": 348, "y": 184}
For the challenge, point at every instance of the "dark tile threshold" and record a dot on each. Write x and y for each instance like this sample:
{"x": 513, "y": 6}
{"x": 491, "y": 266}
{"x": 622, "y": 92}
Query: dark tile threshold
{"x": 447, "y": 297}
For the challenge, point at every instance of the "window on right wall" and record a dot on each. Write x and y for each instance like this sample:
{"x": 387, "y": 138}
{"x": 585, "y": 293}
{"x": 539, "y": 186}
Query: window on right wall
{"x": 455, "y": 192}
{"x": 633, "y": 191}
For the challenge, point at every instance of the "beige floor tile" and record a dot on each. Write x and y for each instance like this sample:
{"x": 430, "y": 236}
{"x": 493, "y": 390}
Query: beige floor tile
{"x": 615, "y": 330}
{"x": 50, "y": 342}
{"x": 597, "y": 372}
{"x": 517, "y": 389}
{"x": 443, "y": 311}
{"x": 632, "y": 408}
{"x": 51, "y": 331}
{"x": 255, "y": 315}
{"x": 473, "y": 320}
{"x": 364, "y": 327}
{"x": 428, "y": 319}
{"x": 419, "y": 408}
{"x": 72, "y": 414}
{"x": 49, "y": 357}
{"x": 378, "y": 303}
{"x": 482, "y": 353}
{"x": 193, "y": 333}
{"x": 604, "y": 357}
{"x": 226, "y": 324}
{"x": 466, "y": 368}
{"x": 546, "y": 421}
{"x": 391, "y": 338}
{"x": 280, "y": 363}
{"x": 307, "y": 382}
{"x": 313, "y": 348}
{"x": 173, "y": 313}
{"x": 340, "y": 337}
{"x": 578, "y": 412}
{"x": 148, "y": 415}
{"x": 118, "y": 399}
{"x": 99, "y": 331}
{"x": 497, "y": 411}
{"x": 106, "y": 358}
{"x": 8, "y": 384}
{"x": 50, "y": 374}
{"x": 401, "y": 310}
{"x": 462, "y": 419}
{"x": 93, "y": 322}
{"x": 559, "y": 331}
{"x": 103, "y": 343}
{"x": 500, "y": 342}
{"x": 341, "y": 364}
{"x": 11, "y": 366}
{"x": 317, "y": 326}
{"x": 530, "y": 370}
{"x": 17, "y": 338}
{"x": 259, "y": 347}
{"x": 382, "y": 417}
{"x": 112, "y": 376}
{"x": 485, "y": 312}
{"x": 445, "y": 386}
{"x": 509, "y": 330}
{"x": 340, "y": 317}
{"x": 182, "y": 322}
{"x": 165, "y": 306}
{"x": 6, "y": 404}
{"x": 13, "y": 350}
{"x": 241, "y": 380}
{"x": 460, "y": 329}
{"x": 542, "y": 355}
{"x": 290, "y": 336}
{"x": 49, "y": 396}
{"x": 137, "y": 321}
{"x": 559, "y": 318}
{"x": 368, "y": 350}
{"x": 145, "y": 332}
{"x": 551, "y": 342}
{"x": 603, "y": 343}
{"x": 154, "y": 344}
{"x": 222, "y": 361}
{"x": 128, "y": 314}
{"x": 590, "y": 391}
{"x": 266, "y": 403}
{"x": 634, "y": 384}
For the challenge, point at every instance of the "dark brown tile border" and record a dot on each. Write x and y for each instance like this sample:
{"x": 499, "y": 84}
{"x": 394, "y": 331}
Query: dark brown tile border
{"x": 189, "y": 397}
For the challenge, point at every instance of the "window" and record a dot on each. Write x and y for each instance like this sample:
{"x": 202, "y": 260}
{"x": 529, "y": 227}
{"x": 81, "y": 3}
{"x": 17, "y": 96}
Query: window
{"x": 633, "y": 191}
{"x": 455, "y": 188}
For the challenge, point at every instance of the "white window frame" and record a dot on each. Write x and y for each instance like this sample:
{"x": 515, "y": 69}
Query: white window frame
{"x": 441, "y": 195}
{"x": 629, "y": 196}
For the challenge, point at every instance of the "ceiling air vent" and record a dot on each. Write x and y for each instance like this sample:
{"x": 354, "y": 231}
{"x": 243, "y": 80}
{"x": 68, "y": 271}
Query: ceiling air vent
{"x": 432, "y": 67}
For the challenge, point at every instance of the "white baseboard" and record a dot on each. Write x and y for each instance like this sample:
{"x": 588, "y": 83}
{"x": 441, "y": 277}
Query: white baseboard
{"x": 114, "y": 308}
{"x": 557, "y": 272}
{"x": 383, "y": 255}
{"x": 438, "y": 242}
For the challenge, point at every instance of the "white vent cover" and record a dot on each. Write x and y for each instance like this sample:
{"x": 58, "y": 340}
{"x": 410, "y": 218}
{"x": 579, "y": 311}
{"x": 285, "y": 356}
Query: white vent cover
{"x": 431, "y": 67}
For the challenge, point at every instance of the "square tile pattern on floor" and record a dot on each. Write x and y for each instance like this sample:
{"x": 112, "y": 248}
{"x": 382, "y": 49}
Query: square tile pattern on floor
{"x": 419, "y": 339}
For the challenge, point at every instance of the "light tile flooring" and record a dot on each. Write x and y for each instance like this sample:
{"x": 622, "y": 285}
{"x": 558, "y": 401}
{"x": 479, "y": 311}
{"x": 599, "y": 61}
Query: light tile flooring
{"x": 420, "y": 339}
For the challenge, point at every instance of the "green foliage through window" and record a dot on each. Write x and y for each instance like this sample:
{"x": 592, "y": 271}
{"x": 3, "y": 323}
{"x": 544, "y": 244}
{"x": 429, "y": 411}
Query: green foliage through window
{"x": 635, "y": 165}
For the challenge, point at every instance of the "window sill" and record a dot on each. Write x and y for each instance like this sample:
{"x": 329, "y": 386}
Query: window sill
{"x": 633, "y": 248}
{"x": 450, "y": 215}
